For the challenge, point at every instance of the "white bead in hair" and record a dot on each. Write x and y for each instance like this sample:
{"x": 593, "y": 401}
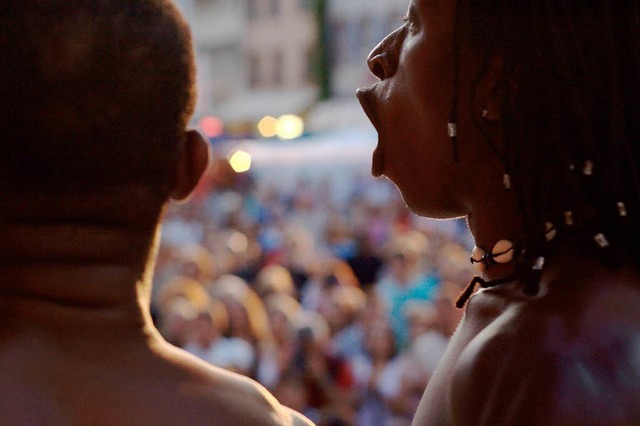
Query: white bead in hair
{"x": 506, "y": 181}
{"x": 539, "y": 264}
{"x": 601, "y": 240}
{"x": 550, "y": 231}
{"x": 568, "y": 218}
{"x": 622, "y": 209}
{"x": 452, "y": 130}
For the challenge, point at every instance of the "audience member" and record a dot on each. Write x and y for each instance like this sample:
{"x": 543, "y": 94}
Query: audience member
{"x": 277, "y": 357}
{"x": 406, "y": 279}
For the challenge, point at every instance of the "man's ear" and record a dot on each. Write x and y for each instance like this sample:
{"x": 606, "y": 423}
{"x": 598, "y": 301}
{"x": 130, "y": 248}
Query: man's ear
{"x": 498, "y": 88}
{"x": 194, "y": 160}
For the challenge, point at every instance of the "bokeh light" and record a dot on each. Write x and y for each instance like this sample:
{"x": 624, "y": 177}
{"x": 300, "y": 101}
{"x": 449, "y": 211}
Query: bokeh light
{"x": 290, "y": 127}
{"x": 240, "y": 161}
{"x": 268, "y": 127}
{"x": 212, "y": 126}
{"x": 237, "y": 242}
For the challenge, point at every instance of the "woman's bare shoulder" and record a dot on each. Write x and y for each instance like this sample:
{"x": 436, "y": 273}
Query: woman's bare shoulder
{"x": 566, "y": 359}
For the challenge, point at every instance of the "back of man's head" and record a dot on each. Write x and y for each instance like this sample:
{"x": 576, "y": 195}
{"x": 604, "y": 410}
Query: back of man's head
{"x": 94, "y": 94}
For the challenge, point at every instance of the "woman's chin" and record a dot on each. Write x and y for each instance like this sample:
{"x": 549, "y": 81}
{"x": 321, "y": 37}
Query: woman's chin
{"x": 433, "y": 206}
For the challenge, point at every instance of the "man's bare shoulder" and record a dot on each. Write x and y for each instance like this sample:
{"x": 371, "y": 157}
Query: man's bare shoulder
{"x": 222, "y": 397}
{"x": 553, "y": 361}
{"x": 142, "y": 385}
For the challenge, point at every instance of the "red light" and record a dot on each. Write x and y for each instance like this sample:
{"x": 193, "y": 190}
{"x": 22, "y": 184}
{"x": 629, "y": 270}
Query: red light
{"x": 212, "y": 126}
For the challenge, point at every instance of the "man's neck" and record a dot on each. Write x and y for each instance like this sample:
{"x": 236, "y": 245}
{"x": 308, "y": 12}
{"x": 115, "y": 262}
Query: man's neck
{"x": 82, "y": 282}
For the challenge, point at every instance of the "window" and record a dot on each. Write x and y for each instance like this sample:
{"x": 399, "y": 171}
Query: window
{"x": 252, "y": 9}
{"x": 254, "y": 71}
{"x": 339, "y": 42}
{"x": 355, "y": 39}
{"x": 275, "y": 7}
{"x": 278, "y": 69}
{"x": 394, "y": 20}
{"x": 306, "y": 4}
{"x": 366, "y": 36}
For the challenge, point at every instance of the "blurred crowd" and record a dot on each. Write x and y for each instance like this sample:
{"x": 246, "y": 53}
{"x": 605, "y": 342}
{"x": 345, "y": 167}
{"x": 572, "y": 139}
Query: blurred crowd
{"x": 342, "y": 309}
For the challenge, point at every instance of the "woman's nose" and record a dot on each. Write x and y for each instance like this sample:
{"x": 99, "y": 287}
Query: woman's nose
{"x": 383, "y": 59}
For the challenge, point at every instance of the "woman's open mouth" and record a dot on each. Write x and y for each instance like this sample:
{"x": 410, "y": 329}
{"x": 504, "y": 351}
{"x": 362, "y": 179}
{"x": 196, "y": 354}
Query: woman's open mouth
{"x": 365, "y": 96}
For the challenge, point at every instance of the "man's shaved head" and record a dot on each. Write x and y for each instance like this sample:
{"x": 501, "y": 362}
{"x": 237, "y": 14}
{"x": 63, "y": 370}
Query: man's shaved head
{"x": 93, "y": 93}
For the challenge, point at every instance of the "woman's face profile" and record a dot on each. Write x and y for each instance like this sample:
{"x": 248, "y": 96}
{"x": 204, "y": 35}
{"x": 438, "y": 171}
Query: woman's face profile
{"x": 409, "y": 108}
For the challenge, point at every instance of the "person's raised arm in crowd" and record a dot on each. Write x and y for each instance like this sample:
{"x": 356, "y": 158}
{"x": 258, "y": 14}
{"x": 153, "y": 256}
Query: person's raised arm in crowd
{"x": 524, "y": 117}
{"x": 95, "y": 97}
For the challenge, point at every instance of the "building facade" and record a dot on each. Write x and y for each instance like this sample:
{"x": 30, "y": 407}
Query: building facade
{"x": 254, "y": 58}
{"x": 218, "y": 28}
{"x": 260, "y": 57}
{"x": 355, "y": 27}
{"x": 281, "y": 43}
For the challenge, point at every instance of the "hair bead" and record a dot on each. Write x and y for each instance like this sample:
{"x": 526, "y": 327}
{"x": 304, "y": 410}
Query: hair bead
{"x": 452, "y": 130}
{"x": 622, "y": 209}
{"x": 550, "y": 231}
{"x": 539, "y": 264}
{"x": 568, "y": 218}
{"x": 601, "y": 240}
{"x": 506, "y": 181}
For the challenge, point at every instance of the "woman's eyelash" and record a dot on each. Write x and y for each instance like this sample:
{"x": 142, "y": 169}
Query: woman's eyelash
{"x": 405, "y": 18}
